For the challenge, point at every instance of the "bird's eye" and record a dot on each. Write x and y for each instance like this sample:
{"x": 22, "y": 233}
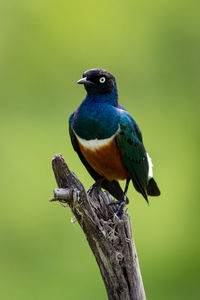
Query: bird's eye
{"x": 102, "y": 79}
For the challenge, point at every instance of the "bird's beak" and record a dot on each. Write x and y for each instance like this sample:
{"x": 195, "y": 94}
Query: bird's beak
{"x": 84, "y": 80}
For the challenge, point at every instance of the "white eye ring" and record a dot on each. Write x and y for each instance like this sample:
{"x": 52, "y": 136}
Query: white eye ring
{"x": 102, "y": 79}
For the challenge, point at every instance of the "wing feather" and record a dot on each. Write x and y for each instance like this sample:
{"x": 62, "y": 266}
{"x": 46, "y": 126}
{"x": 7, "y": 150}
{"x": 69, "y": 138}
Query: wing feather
{"x": 134, "y": 157}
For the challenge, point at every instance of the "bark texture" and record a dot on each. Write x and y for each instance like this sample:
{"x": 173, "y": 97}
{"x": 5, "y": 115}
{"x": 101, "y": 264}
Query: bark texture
{"x": 110, "y": 238}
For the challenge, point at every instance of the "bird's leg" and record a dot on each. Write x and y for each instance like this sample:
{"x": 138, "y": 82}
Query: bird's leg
{"x": 123, "y": 200}
{"x": 96, "y": 185}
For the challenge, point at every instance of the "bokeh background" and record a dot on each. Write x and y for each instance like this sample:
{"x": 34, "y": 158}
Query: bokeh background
{"x": 153, "y": 49}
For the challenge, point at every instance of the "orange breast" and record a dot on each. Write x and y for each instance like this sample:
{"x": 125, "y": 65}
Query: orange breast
{"x": 106, "y": 161}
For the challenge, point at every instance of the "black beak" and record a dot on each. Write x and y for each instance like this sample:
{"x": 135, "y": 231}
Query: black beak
{"x": 84, "y": 81}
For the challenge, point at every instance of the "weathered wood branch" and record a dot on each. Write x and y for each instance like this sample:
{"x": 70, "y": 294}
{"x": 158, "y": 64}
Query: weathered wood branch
{"x": 110, "y": 238}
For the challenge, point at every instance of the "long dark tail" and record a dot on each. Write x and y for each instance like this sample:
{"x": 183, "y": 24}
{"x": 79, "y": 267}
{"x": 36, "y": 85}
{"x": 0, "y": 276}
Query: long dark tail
{"x": 152, "y": 188}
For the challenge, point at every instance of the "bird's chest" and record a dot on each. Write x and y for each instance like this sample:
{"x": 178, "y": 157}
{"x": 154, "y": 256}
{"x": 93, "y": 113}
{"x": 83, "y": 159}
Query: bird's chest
{"x": 95, "y": 122}
{"x": 104, "y": 157}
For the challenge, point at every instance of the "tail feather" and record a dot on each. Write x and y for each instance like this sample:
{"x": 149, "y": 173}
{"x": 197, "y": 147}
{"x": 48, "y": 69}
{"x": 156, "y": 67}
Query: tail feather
{"x": 152, "y": 188}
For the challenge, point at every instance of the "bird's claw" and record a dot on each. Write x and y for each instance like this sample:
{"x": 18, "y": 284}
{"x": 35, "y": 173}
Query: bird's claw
{"x": 114, "y": 202}
{"x": 96, "y": 186}
{"x": 119, "y": 206}
{"x": 120, "y": 209}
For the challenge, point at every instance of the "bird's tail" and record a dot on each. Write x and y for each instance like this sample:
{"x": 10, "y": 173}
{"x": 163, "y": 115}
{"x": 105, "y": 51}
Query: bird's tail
{"x": 152, "y": 188}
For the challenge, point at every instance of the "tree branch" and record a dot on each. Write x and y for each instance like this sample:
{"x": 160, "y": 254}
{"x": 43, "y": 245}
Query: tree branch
{"x": 110, "y": 238}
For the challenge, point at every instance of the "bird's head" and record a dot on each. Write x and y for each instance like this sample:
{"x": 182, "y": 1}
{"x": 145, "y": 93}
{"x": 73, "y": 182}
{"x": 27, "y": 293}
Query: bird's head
{"x": 98, "y": 82}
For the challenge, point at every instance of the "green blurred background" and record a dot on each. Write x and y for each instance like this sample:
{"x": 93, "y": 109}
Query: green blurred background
{"x": 153, "y": 49}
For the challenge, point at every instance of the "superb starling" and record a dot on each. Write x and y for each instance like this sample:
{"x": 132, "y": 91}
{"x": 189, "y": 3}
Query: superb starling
{"x": 109, "y": 141}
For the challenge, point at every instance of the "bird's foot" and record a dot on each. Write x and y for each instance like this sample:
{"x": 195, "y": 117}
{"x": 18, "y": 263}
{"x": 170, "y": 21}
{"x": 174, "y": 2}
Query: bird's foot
{"x": 115, "y": 202}
{"x": 96, "y": 186}
{"x": 120, "y": 204}
{"x": 120, "y": 209}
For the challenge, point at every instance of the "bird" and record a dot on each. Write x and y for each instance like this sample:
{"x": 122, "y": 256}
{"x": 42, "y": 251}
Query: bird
{"x": 108, "y": 140}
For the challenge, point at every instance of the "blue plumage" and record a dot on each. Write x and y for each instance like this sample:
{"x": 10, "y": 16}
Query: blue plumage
{"x": 91, "y": 119}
